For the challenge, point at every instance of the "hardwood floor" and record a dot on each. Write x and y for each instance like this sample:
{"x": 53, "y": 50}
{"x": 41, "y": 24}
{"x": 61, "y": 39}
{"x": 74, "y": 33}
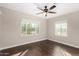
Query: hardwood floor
{"x": 42, "y": 48}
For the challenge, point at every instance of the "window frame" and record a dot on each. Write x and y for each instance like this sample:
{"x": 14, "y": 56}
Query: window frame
{"x": 62, "y": 24}
{"x": 27, "y": 22}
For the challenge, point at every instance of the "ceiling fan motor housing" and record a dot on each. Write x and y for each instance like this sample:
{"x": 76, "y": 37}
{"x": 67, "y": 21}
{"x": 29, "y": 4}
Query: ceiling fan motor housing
{"x": 46, "y": 10}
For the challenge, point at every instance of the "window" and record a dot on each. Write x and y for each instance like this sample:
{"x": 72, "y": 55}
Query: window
{"x": 29, "y": 27}
{"x": 61, "y": 28}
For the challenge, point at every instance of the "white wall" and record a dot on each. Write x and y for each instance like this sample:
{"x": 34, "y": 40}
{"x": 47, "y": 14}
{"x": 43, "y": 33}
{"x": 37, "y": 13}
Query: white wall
{"x": 12, "y": 31}
{"x": 0, "y": 26}
{"x": 73, "y": 29}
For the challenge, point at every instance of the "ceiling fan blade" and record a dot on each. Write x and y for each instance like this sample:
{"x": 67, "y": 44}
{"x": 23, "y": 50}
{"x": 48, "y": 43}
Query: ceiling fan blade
{"x": 51, "y": 12}
{"x": 40, "y": 9}
{"x": 52, "y": 7}
{"x": 40, "y": 12}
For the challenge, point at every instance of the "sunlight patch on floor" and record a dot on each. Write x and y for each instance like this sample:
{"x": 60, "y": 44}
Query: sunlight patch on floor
{"x": 58, "y": 51}
{"x": 17, "y": 54}
{"x": 22, "y": 53}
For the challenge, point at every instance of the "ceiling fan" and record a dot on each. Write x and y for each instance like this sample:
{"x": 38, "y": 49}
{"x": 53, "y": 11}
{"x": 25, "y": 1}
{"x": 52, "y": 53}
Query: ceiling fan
{"x": 46, "y": 10}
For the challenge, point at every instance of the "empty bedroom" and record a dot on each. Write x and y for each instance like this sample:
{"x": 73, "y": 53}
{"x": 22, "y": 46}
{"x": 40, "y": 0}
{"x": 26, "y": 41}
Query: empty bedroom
{"x": 39, "y": 29}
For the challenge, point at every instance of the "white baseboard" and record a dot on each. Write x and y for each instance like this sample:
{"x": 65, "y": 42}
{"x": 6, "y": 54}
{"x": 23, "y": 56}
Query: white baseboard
{"x": 23, "y": 43}
{"x": 75, "y": 46}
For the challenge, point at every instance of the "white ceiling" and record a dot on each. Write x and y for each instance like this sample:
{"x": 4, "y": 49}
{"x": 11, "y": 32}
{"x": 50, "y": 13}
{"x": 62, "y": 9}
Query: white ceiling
{"x": 30, "y": 8}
